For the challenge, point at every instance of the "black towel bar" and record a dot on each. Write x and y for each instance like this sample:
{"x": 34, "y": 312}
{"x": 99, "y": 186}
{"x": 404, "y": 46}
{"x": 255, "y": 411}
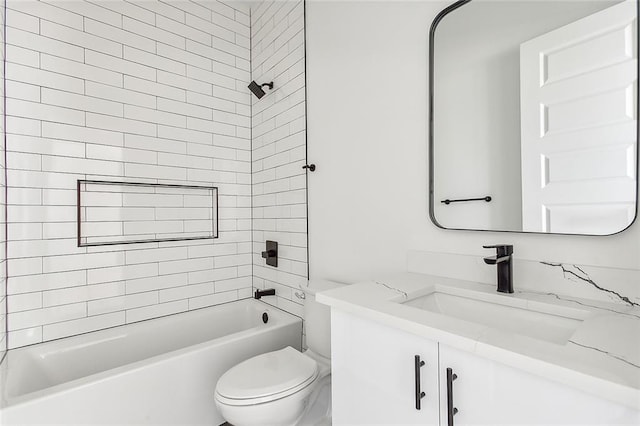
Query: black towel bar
{"x": 448, "y": 201}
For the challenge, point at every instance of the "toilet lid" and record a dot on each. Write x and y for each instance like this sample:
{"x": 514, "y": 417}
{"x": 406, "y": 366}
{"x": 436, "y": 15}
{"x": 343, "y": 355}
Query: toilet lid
{"x": 267, "y": 374}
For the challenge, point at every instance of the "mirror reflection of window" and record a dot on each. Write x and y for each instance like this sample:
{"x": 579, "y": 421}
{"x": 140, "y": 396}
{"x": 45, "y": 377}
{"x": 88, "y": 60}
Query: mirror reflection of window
{"x": 535, "y": 105}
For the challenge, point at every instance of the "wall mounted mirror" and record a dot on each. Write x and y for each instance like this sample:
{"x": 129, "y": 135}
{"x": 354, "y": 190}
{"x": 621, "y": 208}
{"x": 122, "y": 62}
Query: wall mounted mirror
{"x": 533, "y": 116}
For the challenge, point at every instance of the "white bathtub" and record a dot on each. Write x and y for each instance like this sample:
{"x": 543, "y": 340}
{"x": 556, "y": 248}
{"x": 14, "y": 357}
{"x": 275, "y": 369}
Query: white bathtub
{"x": 161, "y": 371}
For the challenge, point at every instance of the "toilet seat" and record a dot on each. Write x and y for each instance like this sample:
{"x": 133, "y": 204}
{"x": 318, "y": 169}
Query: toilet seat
{"x": 267, "y": 377}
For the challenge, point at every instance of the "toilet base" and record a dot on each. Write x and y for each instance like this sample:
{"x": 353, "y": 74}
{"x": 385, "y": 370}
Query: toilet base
{"x": 318, "y": 412}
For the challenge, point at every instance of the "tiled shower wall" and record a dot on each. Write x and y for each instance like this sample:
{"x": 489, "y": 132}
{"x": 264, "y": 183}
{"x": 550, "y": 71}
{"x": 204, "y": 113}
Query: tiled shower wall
{"x": 279, "y": 149}
{"x": 3, "y": 219}
{"x": 142, "y": 91}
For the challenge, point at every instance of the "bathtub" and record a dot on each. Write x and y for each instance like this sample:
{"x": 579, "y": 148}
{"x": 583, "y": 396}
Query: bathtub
{"x": 161, "y": 371}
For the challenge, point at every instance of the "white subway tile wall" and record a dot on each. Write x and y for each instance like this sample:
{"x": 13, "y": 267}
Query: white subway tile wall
{"x": 279, "y": 149}
{"x": 137, "y": 91}
{"x": 3, "y": 194}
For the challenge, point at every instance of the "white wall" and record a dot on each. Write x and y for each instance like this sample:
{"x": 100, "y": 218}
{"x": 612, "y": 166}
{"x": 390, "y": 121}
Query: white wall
{"x": 367, "y": 132}
{"x": 279, "y": 149}
{"x": 139, "y": 91}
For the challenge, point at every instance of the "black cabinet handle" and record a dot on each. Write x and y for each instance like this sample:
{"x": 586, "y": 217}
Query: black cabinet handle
{"x": 419, "y": 394}
{"x": 311, "y": 167}
{"x": 451, "y": 410}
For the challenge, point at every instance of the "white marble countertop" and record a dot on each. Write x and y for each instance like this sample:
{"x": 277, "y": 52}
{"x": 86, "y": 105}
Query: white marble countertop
{"x": 601, "y": 357}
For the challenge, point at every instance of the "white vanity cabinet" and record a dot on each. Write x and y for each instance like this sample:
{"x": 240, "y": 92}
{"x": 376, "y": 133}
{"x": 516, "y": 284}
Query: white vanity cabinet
{"x": 373, "y": 374}
{"x": 490, "y": 393}
{"x": 374, "y": 384}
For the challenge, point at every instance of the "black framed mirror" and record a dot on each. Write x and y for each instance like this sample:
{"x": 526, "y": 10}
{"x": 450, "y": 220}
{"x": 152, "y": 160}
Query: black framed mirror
{"x": 533, "y": 121}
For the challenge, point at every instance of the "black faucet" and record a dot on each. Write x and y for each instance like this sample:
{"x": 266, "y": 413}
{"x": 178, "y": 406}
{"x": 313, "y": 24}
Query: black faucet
{"x": 268, "y": 292}
{"x": 505, "y": 268}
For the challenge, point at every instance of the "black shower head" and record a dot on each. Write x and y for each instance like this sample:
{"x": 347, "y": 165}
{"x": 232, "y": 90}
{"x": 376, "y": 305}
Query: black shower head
{"x": 256, "y": 88}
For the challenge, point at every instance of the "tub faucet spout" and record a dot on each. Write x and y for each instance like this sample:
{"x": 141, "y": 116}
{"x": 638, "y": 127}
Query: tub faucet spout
{"x": 503, "y": 261}
{"x": 268, "y": 292}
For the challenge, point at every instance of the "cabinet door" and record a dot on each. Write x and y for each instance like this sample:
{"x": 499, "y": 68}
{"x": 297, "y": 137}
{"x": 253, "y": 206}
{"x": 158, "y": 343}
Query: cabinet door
{"x": 489, "y": 393}
{"x": 373, "y": 374}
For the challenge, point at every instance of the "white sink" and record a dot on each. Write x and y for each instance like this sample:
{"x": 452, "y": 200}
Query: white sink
{"x": 547, "y": 322}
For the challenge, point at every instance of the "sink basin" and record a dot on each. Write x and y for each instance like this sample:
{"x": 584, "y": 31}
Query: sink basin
{"x": 556, "y": 326}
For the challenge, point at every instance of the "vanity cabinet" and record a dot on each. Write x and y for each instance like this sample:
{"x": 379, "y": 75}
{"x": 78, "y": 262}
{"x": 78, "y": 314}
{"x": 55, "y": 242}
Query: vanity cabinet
{"x": 373, "y": 374}
{"x": 490, "y": 393}
{"x": 374, "y": 384}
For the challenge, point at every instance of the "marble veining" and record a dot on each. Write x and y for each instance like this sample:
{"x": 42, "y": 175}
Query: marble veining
{"x": 578, "y": 281}
{"x": 397, "y": 290}
{"x": 605, "y": 352}
{"x": 586, "y": 305}
{"x": 582, "y": 276}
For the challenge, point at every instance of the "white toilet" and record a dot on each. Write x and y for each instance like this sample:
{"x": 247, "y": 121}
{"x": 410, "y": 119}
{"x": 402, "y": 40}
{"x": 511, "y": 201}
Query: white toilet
{"x": 284, "y": 387}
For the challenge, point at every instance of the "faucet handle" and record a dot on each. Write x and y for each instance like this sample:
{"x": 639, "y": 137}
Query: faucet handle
{"x": 502, "y": 249}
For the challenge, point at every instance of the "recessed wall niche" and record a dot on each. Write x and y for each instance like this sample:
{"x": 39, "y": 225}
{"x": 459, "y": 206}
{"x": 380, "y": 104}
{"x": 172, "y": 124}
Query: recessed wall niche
{"x": 111, "y": 213}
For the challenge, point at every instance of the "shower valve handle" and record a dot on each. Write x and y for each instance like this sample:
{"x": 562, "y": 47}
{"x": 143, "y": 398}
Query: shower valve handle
{"x": 269, "y": 253}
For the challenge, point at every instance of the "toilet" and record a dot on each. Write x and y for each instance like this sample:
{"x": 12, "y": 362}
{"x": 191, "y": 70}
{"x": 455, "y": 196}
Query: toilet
{"x": 284, "y": 387}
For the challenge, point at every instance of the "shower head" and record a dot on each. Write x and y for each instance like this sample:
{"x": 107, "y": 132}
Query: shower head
{"x": 256, "y": 88}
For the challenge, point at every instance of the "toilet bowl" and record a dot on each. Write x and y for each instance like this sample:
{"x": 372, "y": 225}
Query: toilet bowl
{"x": 284, "y": 387}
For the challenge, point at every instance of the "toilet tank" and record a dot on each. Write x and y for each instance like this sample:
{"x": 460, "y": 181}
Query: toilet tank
{"x": 317, "y": 317}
